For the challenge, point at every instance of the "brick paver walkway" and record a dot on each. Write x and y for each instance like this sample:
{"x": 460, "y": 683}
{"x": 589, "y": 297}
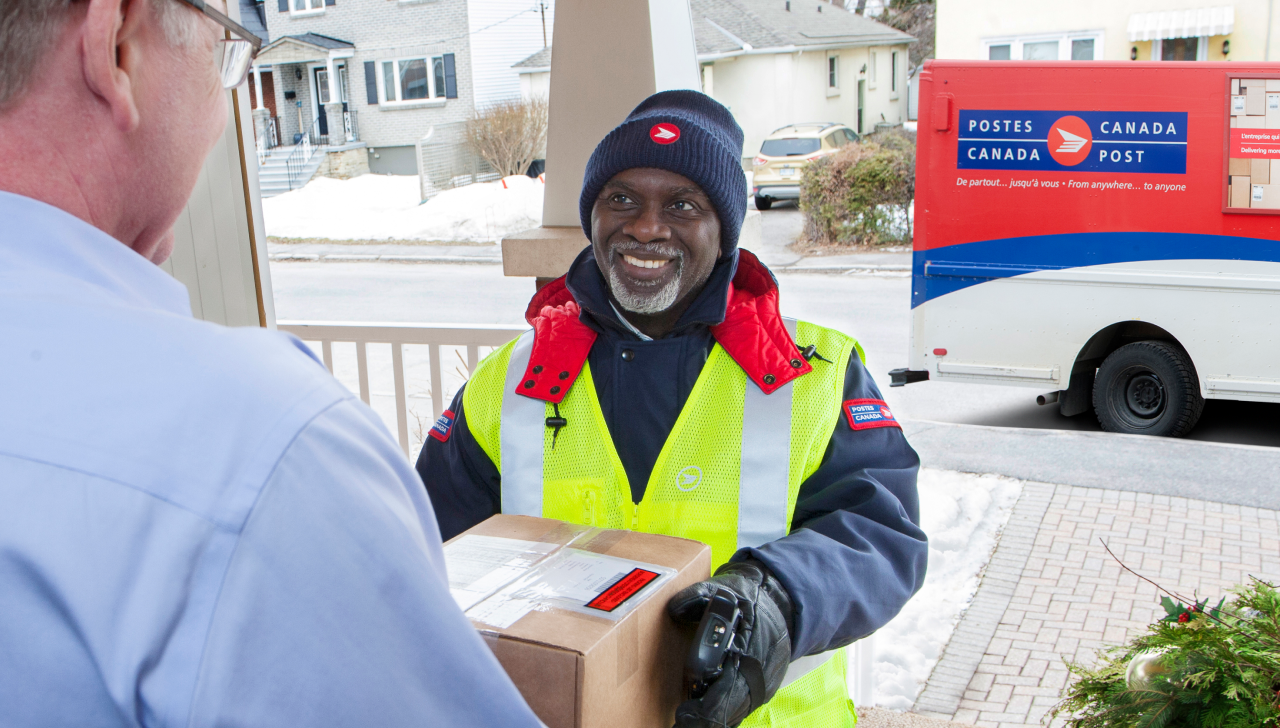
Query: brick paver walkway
{"x": 1072, "y": 598}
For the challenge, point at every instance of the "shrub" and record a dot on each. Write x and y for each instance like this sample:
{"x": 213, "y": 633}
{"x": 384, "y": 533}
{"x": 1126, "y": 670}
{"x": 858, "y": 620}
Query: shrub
{"x": 861, "y": 194}
{"x": 509, "y": 135}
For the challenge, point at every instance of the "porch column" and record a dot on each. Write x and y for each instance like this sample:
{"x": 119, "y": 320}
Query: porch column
{"x": 333, "y": 109}
{"x": 597, "y": 78}
{"x": 261, "y": 114}
{"x": 257, "y": 86}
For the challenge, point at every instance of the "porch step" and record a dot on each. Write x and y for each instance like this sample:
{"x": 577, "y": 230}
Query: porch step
{"x": 273, "y": 173}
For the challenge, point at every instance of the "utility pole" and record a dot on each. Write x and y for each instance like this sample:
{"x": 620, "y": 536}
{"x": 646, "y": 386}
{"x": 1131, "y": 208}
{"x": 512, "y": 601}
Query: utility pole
{"x": 542, "y": 8}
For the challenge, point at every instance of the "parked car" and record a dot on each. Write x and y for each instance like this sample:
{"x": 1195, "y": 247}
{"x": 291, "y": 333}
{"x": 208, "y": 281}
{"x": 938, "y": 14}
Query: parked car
{"x": 786, "y": 151}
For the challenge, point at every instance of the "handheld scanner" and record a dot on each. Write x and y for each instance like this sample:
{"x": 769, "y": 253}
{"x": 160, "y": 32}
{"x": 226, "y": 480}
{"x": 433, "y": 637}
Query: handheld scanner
{"x": 714, "y": 642}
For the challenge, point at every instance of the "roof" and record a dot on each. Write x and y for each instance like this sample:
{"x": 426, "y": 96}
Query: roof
{"x": 539, "y": 60}
{"x": 305, "y": 48}
{"x": 734, "y": 26}
{"x": 252, "y": 19}
{"x": 724, "y": 28}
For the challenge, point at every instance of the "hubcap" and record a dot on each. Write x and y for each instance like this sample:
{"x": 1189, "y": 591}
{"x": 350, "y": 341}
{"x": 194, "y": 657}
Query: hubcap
{"x": 1145, "y": 395}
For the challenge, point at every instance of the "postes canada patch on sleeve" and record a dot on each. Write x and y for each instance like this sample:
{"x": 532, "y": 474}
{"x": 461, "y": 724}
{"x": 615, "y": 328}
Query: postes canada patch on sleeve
{"x": 443, "y": 426}
{"x": 865, "y": 414}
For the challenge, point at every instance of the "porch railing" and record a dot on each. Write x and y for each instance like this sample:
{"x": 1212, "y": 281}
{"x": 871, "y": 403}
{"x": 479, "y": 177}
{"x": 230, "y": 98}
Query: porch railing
{"x": 296, "y": 163}
{"x": 433, "y": 336}
{"x": 351, "y": 125}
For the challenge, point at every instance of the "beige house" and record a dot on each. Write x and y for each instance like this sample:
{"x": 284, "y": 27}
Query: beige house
{"x": 1104, "y": 30}
{"x": 775, "y": 63}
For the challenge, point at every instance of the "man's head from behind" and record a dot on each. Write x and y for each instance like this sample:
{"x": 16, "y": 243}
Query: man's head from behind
{"x": 663, "y": 198}
{"x": 108, "y": 109}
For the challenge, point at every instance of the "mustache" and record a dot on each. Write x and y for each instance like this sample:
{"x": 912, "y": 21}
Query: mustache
{"x": 635, "y": 246}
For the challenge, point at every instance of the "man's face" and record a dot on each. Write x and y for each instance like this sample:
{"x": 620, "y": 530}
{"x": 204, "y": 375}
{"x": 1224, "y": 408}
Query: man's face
{"x": 182, "y": 111}
{"x": 656, "y": 238}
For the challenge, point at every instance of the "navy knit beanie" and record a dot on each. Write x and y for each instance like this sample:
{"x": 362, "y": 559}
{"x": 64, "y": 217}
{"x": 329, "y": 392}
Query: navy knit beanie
{"x": 685, "y": 132}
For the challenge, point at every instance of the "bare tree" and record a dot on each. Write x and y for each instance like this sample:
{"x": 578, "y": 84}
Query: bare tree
{"x": 915, "y": 18}
{"x": 509, "y": 135}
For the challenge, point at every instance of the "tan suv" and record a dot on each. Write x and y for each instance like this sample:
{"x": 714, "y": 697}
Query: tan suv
{"x": 786, "y": 151}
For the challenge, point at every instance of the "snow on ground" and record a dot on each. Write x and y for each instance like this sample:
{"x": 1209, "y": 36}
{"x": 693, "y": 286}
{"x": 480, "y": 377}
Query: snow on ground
{"x": 962, "y": 514}
{"x": 383, "y": 206}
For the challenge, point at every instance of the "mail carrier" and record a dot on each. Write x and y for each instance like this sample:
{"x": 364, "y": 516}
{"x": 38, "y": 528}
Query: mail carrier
{"x": 1104, "y": 232}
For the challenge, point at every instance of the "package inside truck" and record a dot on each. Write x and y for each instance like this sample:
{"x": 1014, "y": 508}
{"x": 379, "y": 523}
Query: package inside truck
{"x": 1108, "y": 212}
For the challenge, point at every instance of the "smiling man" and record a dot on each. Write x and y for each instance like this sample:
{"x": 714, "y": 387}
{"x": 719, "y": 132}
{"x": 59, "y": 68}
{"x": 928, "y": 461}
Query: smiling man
{"x": 660, "y": 390}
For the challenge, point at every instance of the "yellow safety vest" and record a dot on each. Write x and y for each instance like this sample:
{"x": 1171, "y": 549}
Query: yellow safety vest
{"x": 728, "y": 475}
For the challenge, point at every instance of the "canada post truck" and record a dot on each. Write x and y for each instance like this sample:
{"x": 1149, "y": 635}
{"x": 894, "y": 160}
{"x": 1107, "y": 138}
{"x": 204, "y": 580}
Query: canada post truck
{"x": 1104, "y": 232}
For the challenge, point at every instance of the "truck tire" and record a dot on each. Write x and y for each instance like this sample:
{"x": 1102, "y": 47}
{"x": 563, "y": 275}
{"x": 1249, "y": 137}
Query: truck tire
{"x": 1148, "y": 388}
{"x": 763, "y": 203}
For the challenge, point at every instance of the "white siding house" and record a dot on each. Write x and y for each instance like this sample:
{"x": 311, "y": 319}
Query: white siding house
{"x": 502, "y": 33}
{"x": 775, "y": 63}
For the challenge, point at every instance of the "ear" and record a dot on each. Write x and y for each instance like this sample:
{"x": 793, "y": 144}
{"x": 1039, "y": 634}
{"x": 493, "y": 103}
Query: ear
{"x": 108, "y": 47}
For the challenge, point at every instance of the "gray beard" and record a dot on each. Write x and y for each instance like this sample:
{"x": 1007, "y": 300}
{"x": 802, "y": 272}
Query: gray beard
{"x": 660, "y": 299}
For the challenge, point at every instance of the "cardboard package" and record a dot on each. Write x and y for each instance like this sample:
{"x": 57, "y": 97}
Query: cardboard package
{"x": 1260, "y": 171}
{"x": 1251, "y": 122}
{"x": 1266, "y": 197}
{"x": 1255, "y": 100}
{"x": 1273, "y": 111}
{"x": 1240, "y": 191}
{"x": 1275, "y": 170}
{"x": 1235, "y": 87}
{"x": 601, "y": 650}
{"x": 1239, "y": 105}
{"x": 1273, "y": 84}
{"x": 1238, "y": 167}
{"x": 1251, "y": 82}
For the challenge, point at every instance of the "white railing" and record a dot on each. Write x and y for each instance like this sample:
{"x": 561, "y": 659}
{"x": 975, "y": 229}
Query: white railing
{"x": 433, "y": 336}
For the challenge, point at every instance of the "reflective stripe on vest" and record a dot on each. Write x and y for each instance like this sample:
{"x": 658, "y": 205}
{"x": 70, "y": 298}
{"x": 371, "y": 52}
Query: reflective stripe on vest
{"x": 523, "y": 423}
{"x": 766, "y": 457}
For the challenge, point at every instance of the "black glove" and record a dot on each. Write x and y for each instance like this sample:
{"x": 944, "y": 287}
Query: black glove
{"x": 751, "y": 679}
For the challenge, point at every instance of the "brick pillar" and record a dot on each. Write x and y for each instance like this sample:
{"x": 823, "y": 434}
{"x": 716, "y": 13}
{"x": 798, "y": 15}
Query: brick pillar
{"x": 337, "y": 131}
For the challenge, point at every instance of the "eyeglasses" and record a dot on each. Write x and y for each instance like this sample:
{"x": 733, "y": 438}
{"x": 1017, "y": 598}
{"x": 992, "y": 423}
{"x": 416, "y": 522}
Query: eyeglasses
{"x": 235, "y": 54}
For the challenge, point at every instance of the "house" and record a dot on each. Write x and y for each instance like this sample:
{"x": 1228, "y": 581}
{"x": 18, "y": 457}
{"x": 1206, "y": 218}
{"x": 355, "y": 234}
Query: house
{"x": 1095, "y": 30}
{"x": 367, "y": 80}
{"x": 779, "y": 62}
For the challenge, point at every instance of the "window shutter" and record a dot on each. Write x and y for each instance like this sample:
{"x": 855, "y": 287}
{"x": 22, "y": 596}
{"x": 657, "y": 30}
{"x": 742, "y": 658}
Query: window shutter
{"x": 450, "y": 78}
{"x": 284, "y": 6}
{"x": 371, "y": 82}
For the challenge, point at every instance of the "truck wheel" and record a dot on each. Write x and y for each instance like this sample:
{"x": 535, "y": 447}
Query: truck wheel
{"x": 1147, "y": 388}
{"x": 763, "y": 203}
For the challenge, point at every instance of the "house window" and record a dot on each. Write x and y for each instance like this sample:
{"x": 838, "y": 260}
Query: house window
{"x": 406, "y": 80}
{"x": 1081, "y": 46}
{"x": 893, "y": 72}
{"x": 1082, "y": 50}
{"x": 871, "y": 70}
{"x": 306, "y": 7}
{"x": 833, "y": 64}
{"x": 1181, "y": 49}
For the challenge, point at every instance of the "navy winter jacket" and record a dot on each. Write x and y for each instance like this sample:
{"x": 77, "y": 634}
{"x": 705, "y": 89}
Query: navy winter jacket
{"x": 855, "y": 553}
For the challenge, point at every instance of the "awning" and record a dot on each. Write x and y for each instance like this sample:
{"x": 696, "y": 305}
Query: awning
{"x": 1182, "y": 23}
{"x": 306, "y": 48}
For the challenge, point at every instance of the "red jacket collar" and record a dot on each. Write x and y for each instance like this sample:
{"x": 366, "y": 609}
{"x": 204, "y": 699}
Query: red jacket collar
{"x": 752, "y": 333}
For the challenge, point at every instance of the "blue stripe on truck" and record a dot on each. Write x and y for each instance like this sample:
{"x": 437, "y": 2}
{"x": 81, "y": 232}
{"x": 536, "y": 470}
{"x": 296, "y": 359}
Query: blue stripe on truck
{"x": 940, "y": 271}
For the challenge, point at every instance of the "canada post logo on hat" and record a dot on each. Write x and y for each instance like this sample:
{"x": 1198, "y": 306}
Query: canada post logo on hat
{"x": 664, "y": 133}
{"x": 1143, "y": 142}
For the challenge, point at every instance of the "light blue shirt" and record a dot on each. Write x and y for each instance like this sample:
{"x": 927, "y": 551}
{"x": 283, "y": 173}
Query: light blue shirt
{"x": 198, "y": 525}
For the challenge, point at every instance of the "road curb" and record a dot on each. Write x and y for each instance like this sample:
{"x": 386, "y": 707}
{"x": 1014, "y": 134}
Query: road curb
{"x": 1220, "y": 472}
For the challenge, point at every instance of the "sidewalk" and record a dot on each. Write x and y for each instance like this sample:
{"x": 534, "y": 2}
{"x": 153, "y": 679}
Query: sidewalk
{"x": 1051, "y": 594}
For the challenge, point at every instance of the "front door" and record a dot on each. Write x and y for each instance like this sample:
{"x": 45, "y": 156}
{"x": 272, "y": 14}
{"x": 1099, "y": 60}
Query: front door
{"x": 322, "y": 96}
{"x": 862, "y": 98}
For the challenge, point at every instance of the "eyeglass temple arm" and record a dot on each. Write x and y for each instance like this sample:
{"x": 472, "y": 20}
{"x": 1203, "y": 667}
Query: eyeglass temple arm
{"x": 227, "y": 23}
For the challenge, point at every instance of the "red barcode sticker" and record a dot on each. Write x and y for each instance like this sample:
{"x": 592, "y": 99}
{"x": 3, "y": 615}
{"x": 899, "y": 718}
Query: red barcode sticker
{"x": 622, "y": 590}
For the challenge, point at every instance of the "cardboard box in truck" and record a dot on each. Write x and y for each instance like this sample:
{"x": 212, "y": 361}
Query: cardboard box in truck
{"x": 577, "y": 616}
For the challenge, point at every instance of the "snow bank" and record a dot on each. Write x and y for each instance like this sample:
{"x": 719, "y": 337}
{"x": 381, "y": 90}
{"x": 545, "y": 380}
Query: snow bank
{"x": 380, "y": 207}
{"x": 962, "y": 514}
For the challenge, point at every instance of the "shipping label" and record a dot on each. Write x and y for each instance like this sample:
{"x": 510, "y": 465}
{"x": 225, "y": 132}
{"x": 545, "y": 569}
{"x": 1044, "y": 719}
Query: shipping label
{"x": 1142, "y": 142}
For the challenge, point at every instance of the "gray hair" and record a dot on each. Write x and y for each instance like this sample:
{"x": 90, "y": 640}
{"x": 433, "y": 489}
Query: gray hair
{"x": 29, "y": 27}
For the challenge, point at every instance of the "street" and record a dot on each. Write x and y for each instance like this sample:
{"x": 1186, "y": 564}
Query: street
{"x": 873, "y": 309}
